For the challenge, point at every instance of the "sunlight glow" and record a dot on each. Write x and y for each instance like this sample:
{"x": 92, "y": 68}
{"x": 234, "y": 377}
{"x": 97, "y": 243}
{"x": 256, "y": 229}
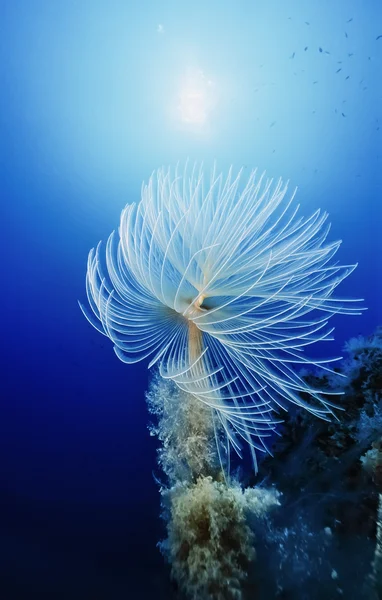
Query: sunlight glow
{"x": 197, "y": 98}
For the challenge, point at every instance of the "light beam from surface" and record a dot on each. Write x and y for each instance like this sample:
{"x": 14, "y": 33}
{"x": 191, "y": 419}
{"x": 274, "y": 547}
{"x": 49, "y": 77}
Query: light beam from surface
{"x": 196, "y": 100}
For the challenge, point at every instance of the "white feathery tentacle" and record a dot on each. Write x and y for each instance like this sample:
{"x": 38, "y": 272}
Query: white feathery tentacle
{"x": 223, "y": 284}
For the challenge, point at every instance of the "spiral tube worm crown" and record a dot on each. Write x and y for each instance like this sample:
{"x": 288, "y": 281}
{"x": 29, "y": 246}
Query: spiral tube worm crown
{"x": 224, "y": 284}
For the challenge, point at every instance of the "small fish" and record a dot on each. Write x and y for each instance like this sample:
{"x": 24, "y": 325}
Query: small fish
{"x": 273, "y": 151}
{"x": 343, "y": 114}
{"x": 347, "y": 77}
{"x": 350, "y": 20}
{"x": 364, "y": 88}
{"x": 305, "y": 49}
{"x": 350, "y": 54}
{"x": 307, "y": 23}
{"x": 313, "y": 112}
{"x": 273, "y": 123}
{"x": 320, "y": 49}
{"x": 346, "y": 35}
{"x": 315, "y": 82}
{"x": 378, "y": 37}
{"x": 327, "y": 52}
{"x": 293, "y": 55}
{"x": 335, "y": 110}
{"x": 338, "y": 70}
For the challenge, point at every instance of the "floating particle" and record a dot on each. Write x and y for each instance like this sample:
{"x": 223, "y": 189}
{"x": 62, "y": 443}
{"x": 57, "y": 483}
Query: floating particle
{"x": 273, "y": 123}
{"x": 293, "y": 55}
{"x": 378, "y": 37}
{"x": 320, "y": 49}
{"x": 347, "y": 77}
{"x": 315, "y": 82}
{"x": 305, "y": 49}
{"x": 350, "y": 20}
{"x": 343, "y": 114}
{"x": 307, "y": 23}
{"x": 350, "y": 54}
{"x": 346, "y": 35}
{"x": 338, "y": 70}
{"x": 327, "y": 52}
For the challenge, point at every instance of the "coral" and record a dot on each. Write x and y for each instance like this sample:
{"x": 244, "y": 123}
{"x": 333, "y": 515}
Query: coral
{"x": 370, "y": 421}
{"x": 372, "y": 462}
{"x": 363, "y": 367}
{"x": 330, "y": 475}
{"x": 210, "y": 544}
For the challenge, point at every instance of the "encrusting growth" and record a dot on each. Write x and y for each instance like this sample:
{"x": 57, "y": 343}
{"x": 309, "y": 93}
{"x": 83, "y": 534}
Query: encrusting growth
{"x": 210, "y": 544}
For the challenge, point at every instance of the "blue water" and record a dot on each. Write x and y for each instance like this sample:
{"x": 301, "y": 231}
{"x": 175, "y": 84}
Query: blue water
{"x": 94, "y": 96}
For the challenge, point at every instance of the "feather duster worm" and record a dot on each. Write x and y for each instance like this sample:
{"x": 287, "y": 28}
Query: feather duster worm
{"x": 223, "y": 284}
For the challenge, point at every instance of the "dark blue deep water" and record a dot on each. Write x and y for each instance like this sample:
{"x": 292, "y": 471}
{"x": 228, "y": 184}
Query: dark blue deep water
{"x": 94, "y": 96}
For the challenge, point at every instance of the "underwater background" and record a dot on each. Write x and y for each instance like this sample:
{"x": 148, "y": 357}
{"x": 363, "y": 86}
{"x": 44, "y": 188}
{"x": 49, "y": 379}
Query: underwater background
{"x": 94, "y": 96}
